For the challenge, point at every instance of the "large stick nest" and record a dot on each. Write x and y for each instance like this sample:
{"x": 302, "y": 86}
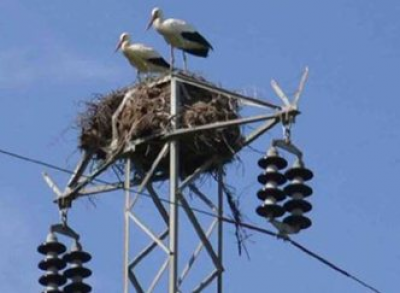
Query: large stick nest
{"x": 146, "y": 112}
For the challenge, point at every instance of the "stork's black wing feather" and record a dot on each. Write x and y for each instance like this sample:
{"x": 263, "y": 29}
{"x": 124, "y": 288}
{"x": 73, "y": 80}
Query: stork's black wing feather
{"x": 197, "y": 52}
{"x": 197, "y": 38}
{"x": 159, "y": 62}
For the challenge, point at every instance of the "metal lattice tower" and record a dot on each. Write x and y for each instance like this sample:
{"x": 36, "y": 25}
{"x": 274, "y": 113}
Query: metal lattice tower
{"x": 170, "y": 239}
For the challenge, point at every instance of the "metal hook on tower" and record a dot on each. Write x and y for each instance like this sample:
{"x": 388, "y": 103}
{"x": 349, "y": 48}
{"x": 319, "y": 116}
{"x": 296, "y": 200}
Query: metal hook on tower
{"x": 63, "y": 228}
{"x": 287, "y": 133}
{"x": 64, "y": 216}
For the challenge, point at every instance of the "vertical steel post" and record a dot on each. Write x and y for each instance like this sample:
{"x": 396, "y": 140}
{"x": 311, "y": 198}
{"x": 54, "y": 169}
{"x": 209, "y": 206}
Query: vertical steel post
{"x": 127, "y": 187}
{"x": 220, "y": 225}
{"x": 174, "y": 185}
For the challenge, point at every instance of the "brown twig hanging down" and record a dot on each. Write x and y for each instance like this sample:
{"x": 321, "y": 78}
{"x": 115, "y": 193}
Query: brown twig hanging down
{"x": 240, "y": 232}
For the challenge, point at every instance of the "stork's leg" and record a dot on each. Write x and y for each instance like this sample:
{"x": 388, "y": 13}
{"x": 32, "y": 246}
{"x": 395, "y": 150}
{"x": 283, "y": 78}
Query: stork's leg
{"x": 185, "y": 61}
{"x": 138, "y": 76}
{"x": 172, "y": 58}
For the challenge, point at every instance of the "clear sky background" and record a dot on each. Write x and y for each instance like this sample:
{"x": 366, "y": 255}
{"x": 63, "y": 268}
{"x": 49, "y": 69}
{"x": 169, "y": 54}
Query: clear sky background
{"x": 54, "y": 55}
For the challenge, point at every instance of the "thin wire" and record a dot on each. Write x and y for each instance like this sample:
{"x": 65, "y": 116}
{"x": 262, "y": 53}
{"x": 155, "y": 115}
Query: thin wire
{"x": 34, "y": 161}
{"x": 224, "y": 219}
{"x": 331, "y": 265}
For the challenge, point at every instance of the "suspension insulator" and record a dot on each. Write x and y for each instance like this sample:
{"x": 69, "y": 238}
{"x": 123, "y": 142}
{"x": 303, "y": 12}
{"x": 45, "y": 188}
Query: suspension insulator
{"x": 76, "y": 271}
{"x": 298, "y": 190}
{"x": 272, "y": 163}
{"x": 271, "y": 176}
{"x": 77, "y": 287}
{"x": 270, "y": 211}
{"x": 297, "y": 206}
{"x": 299, "y": 171}
{"x": 51, "y": 245}
{"x": 298, "y": 221}
{"x": 271, "y": 192}
{"x": 52, "y": 280}
{"x": 52, "y": 264}
{"x": 77, "y": 255}
{"x": 272, "y": 158}
{"x": 52, "y": 261}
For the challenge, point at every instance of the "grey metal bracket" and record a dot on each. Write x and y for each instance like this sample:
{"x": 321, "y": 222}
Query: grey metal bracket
{"x": 64, "y": 229}
{"x": 288, "y": 146}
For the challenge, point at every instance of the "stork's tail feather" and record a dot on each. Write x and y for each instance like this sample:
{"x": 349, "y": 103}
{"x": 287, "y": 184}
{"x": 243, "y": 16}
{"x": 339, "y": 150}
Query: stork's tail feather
{"x": 198, "y": 52}
{"x": 197, "y": 38}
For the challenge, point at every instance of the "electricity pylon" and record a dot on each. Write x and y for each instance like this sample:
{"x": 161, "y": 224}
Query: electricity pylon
{"x": 170, "y": 239}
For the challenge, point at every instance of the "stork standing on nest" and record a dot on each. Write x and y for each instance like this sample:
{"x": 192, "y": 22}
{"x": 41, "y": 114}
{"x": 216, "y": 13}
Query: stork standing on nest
{"x": 179, "y": 34}
{"x": 144, "y": 58}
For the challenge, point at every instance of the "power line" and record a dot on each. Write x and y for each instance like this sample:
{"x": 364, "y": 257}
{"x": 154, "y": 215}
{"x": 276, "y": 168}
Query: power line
{"x": 332, "y": 266}
{"x": 225, "y": 219}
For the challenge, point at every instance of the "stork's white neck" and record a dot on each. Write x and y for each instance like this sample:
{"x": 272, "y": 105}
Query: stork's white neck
{"x": 125, "y": 45}
{"x": 158, "y": 22}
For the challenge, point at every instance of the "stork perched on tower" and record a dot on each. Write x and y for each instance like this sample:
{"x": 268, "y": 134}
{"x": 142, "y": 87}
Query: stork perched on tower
{"x": 179, "y": 34}
{"x": 142, "y": 57}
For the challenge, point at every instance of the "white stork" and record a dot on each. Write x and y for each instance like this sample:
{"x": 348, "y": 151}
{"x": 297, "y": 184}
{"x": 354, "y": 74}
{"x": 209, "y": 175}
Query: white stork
{"x": 142, "y": 57}
{"x": 179, "y": 34}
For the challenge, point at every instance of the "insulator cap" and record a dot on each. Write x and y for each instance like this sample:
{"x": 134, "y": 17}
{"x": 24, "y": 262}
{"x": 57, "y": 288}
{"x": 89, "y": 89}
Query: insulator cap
{"x": 272, "y": 158}
{"x": 77, "y": 255}
{"x": 275, "y": 193}
{"x": 297, "y": 204}
{"x": 299, "y": 170}
{"x": 52, "y": 262}
{"x": 297, "y": 221}
{"x": 51, "y": 245}
{"x": 77, "y": 272}
{"x": 277, "y": 161}
{"x": 52, "y": 278}
{"x": 272, "y": 176}
{"x": 270, "y": 211}
{"x": 77, "y": 287}
{"x": 298, "y": 188}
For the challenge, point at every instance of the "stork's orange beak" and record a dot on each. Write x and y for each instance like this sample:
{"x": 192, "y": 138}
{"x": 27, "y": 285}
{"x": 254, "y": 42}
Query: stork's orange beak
{"x": 150, "y": 23}
{"x": 118, "y": 46}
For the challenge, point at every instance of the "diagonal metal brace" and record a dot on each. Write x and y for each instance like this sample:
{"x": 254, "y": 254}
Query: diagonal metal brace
{"x": 200, "y": 232}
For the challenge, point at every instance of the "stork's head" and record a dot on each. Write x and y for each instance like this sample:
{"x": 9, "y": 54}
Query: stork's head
{"x": 124, "y": 37}
{"x": 156, "y": 13}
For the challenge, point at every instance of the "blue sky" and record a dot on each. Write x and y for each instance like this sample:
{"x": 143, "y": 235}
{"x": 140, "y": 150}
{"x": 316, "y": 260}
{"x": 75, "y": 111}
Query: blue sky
{"x": 54, "y": 55}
